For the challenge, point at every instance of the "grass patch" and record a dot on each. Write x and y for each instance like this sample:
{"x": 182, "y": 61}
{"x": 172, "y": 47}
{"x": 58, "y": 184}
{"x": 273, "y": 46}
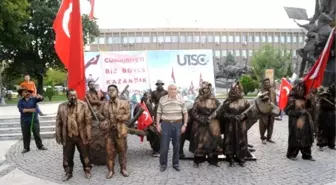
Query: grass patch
{"x": 56, "y": 98}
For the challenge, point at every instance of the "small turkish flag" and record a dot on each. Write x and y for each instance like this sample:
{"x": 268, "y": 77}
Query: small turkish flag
{"x": 285, "y": 88}
{"x": 145, "y": 119}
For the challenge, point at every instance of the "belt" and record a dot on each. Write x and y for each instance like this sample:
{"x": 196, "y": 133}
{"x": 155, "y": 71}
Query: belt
{"x": 172, "y": 121}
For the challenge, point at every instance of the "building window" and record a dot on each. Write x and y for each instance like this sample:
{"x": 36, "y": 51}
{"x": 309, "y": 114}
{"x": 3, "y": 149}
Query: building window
{"x": 244, "y": 53}
{"x": 95, "y": 41}
{"x": 250, "y": 38}
{"x": 230, "y": 38}
{"x": 154, "y": 39}
{"x": 294, "y": 53}
{"x": 189, "y": 38}
{"x": 101, "y": 40}
{"x": 243, "y": 38}
{"x": 237, "y": 53}
{"x": 124, "y": 40}
{"x": 210, "y": 38}
{"x": 160, "y": 39}
{"x": 109, "y": 40}
{"x": 146, "y": 39}
{"x": 168, "y": 39}
{"x": 288, "y": 39}
{"x": 269, "y": 39}
{"x": 300, "y": 39}
{"x": 276, "y": 38}
{"x": 217, "y": 39}
{"x": 182, "y": 38}
{"x": 203, "y": 39}
{"x": 138, "y": 39}
{"x": 174, "y": 38}
{"x": 282, "y": 39}
{"x": 263, "y": 38}
{"x": 230, "y": 52}
{"x": 237, "y": 38}
{"x": 224, "y": 53}
{"x": 217, "y": 53}
{"x": 116, "y": 40}
{"x": 256, "y": 38}
{"x": 250, "y": 53}
{"x": 196, "y": 38}
{"x": 224, "y": 39}
{"x": 131, "y": 40}
{"x": 294, "y": 39}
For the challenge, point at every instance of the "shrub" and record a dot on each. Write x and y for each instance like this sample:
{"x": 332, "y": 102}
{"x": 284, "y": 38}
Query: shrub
{"x": 248, "y": 84}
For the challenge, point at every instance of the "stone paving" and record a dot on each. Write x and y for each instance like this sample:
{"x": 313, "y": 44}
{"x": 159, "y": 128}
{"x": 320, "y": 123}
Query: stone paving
{"x": 271, "y": 168}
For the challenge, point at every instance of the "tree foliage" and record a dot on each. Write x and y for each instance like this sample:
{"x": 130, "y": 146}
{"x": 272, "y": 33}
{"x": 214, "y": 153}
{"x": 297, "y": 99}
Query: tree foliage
{"x": 13, "y": 15}
{"x": 270, "y": 58}
{"x": 230, "y": 59}
{"x": 37, "y": 52}
{"x": 55, "y": 77}
{"x": 249, "y": 85}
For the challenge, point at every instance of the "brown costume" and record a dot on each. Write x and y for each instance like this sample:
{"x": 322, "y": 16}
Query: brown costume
{"x": 313, "y": 111}
{"x": 94, "y": 100}
{"x": 326, "y": 119}
{"x": 266, "y": 122}
{"x": 114, "y": 114}
{"x": 73, "y": 128}
{"x": 235, "y": 129}
{"x": 300, "y": 123}
{"x": 206, "y": 132}
{"x": 157, "y": 94}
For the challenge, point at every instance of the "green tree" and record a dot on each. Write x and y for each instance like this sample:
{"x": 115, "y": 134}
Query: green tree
{"x": 248, "y": 84}
{"x": 13, "y": 14}
{"x": 269, "y": 57}
{"x": 55, "y": 77}
{"x": 230, "y": 60}
{"x": 38, "y": 53}
{"x": 289, "y": 70}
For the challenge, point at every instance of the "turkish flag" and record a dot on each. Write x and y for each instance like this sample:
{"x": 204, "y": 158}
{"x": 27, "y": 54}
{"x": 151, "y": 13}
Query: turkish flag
{"x": 91, "y": 15}
{"x": 61, "y": 28}
{"x": 285, "y": 88}
{"x": 314, "y": 77}
{"x": 69, "y": 44}
{"x": 145, "y": 119}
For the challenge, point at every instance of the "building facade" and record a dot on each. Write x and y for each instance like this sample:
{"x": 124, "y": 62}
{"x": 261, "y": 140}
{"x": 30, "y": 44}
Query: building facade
{"x": 241, "y": 43}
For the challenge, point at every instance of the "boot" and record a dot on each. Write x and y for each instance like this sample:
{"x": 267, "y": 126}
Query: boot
{"x": 67, "y": 176}
{"x": 109, "y": 174}
{"x": 124, "y": 173}
{"x": 87, "y": 174}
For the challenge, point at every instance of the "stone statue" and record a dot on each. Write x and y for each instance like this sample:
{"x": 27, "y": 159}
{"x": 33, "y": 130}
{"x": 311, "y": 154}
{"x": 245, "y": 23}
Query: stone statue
{"x": 231, "y": 72}
{"x": 319, "y": 28}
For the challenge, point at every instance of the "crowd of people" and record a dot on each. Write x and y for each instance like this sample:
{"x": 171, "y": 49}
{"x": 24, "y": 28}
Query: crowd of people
{"x": 206, "y": 121}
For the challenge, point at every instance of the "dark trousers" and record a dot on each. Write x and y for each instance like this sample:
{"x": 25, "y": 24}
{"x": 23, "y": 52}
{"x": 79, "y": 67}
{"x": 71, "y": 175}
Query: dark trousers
{"x": 170, "y": 131}
{"x": 292, "y": 152}
{"x": 69, "y": 152}
{"x": 26, "y": 134}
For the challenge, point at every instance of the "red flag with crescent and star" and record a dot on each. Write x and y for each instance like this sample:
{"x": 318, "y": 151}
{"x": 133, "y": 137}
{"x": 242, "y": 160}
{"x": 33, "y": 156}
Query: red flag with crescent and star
{"x": 145, "y": 119}
{"x": 314, "y": 77}
{"x": 285, "y": 88}
{"x": 69, "y": 44}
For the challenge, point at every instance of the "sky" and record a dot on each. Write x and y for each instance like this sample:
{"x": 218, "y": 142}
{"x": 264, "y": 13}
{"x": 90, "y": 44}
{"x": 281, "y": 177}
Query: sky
{"x": 196, "y": 13}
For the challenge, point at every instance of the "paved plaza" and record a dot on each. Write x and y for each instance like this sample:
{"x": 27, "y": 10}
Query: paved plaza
{"x": 271, "y": 168}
